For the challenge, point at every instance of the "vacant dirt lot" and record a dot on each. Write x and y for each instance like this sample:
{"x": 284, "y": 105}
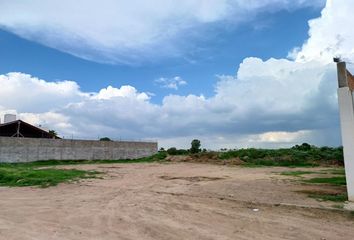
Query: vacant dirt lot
{"x": 171, "y": 201}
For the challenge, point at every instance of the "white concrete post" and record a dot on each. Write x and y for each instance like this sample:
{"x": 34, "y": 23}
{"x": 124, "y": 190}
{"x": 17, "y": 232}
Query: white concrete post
{"x": 346, "y": 111}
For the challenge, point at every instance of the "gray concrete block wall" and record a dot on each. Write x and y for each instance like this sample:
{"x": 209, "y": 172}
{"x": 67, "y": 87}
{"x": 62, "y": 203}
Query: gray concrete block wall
{"x": 36, "y": 149}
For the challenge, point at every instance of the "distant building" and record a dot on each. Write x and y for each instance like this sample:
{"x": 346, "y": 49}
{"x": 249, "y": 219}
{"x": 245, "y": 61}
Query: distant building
{"x": 19, "y": 128}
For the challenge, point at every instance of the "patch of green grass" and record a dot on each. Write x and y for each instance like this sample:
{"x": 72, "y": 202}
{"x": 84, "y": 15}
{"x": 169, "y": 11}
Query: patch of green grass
{"x": 21, "y": 176}
{"x": 28, "y": 174}
{"x": 296, "y": 173}
{"x": 338, "y": 180}
{"x": 342, "y": 197}
{"x": 154, "y": 158}
{"x": 272, "y": 163}
{"x": 339, "y": 206}
{"x": 335, "y": 171}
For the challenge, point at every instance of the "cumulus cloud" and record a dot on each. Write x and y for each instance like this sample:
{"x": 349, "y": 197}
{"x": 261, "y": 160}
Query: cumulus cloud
{"x": 26, "y": 93}
{"x": 172, "y": 83}
{"x": 125, "y": 92}
{"x": 329, "y": 35}
{"x": 273, "y": 101}
{"x": 127, "y": 32}
{"x": 268, "y": 103}
{"x": 48, "y": 120}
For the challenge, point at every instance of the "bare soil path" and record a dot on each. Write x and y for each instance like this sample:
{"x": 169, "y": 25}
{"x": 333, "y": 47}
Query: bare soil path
{"x": 171, "y": 201}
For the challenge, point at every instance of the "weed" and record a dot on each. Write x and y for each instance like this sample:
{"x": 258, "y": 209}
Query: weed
{"x": 289, "y": 157}
{"x": 337, "y": 171}
{"x": 338, "y": 180}
{"x": 296, "y": 173}
{"x": 275, "y": 163}
{"x": 339, "y": 206}
{"x": 157, "y": 157}
{"x": 342, "y": 197}
{"x": 21, "y": 176}
{"x": 28, "y": 174}
{"x": 338, "y": 196}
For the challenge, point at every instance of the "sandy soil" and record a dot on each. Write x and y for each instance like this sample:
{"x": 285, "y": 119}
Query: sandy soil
{"x": 171, "y": 201}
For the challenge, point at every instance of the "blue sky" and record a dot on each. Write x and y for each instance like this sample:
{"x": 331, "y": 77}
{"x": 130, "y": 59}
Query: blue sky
{"x": 220, "y": 52}
{"x": 232, "y": 73}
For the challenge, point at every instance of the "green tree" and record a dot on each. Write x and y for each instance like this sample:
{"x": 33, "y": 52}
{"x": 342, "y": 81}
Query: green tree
{"x": 53, "y": 133}
{"x": 105, "y": 139}
{"x": 195, "y": 148}
{"x": 303, "y": 147}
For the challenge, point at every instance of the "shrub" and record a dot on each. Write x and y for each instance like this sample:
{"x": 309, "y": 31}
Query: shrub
{"x": 175, "y": 151}
{"x": 295, "y": 156}
{"x": 303, "y": 147}
{"x": 105, "y": 139}
{"x": 172, "y": 151}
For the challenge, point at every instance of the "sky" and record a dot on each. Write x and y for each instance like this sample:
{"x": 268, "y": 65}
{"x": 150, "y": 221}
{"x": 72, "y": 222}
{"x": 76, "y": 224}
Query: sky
{"x": 232, "y": 73}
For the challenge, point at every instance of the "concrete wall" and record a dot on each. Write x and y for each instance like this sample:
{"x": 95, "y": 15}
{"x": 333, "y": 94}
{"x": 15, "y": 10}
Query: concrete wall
{"x": 35, "y": 149}
{"x": 346, "y": 111}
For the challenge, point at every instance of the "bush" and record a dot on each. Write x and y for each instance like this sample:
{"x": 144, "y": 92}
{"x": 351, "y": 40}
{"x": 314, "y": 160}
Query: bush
{"x": 302, "y": 155}
{"x": 303, "y": 147}
{"x": 159, "y": 156}
{"x": 172, "y": 151}
{"x": 175, "y": 151}
{"x": 105, "y": 139}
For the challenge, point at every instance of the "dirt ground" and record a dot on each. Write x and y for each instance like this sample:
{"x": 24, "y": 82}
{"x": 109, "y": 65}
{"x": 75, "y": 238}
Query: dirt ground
{"x": 171, "y": 201}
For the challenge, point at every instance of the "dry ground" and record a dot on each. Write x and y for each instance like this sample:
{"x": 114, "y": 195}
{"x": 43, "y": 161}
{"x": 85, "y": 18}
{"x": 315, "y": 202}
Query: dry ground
{"x": 171, "y": 201}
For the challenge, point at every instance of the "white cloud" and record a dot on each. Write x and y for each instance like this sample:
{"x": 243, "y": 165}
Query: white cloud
{"x": 272, "y": 103}
{"x": 26, "y": 93}
{"x": 119, "y": 31}
{"x": 330, "y": 35}
{"x": 172, "y": 83}
{"x": 48, "y": 120}
{"x": 276, "y": 137}
{"x": 124, "y": 91}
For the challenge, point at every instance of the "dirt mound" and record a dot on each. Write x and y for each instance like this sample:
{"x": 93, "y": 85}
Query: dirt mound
{"x": 179, "y": 158}
{"x": 205, "y": 158}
